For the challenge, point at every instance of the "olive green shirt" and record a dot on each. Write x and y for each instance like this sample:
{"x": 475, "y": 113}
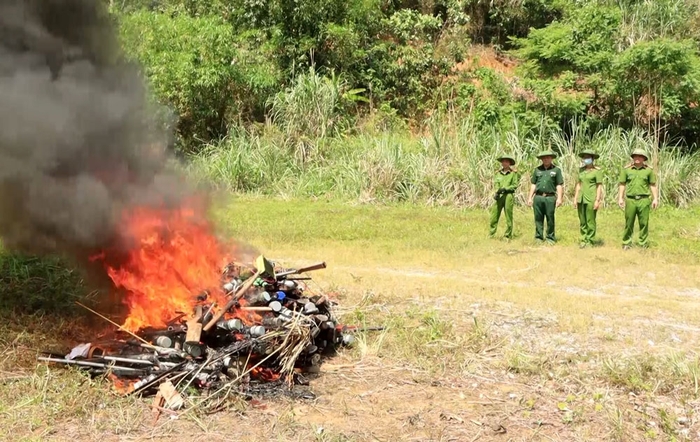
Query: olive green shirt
{"x": 589, "y": 180}
{"x": 547, "y": 180}
{"x": 507, "y": 180}
{"x": 638, "y": 180}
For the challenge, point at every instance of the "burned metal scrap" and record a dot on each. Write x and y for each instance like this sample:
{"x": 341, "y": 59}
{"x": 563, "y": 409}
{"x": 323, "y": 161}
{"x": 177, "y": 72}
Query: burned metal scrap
{"x": 271, "y": 330}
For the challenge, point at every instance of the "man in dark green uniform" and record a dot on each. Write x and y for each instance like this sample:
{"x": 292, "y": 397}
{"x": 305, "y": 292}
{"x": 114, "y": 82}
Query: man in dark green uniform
{"x": 506, "y": 181}
{"x": 637, "y": 186}
{"x": 546, "y": 194}
{"x": 588, "y": 195}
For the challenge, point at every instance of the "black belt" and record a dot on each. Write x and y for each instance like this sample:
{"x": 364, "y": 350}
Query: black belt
{"x": 637, "y": 197}
{"x": 544, "y": 194}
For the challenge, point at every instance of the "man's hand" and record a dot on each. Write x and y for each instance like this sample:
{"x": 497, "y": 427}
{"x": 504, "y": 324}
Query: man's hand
{"x": 621, "y": 203}
{"x": 596, "y": 205}
{"x": 529, "y": 202}
{"x": 558, "y": 203}
{"x": 655, "y": 203}
{"x": 575, "y": 204}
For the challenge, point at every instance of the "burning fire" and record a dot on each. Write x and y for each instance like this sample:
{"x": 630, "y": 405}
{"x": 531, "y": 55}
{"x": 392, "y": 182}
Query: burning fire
{"x": 172, "y": 257}
{"x": 121, "y": 386}
{"x": 265, "y": 374}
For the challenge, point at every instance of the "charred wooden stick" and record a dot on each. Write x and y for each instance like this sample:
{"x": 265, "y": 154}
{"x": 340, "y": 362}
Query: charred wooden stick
{"x": 234, "y": 299}
{"x": 257, "y": 309}
{"x": 194, "y": 327}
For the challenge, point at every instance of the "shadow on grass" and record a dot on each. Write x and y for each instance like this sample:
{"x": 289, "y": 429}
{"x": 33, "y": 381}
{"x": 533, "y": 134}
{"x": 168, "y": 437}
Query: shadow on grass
{"x": 52, "y": 286}
{"x": 38, "y": 310}
{"x": 30, "y": 285}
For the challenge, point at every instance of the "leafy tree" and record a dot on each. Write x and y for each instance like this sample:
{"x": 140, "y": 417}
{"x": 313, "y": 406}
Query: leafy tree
{"x": 200, "y": 68}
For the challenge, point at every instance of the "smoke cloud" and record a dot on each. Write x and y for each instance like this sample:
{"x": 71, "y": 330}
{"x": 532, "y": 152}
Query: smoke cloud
{"x": 77, "y": 140}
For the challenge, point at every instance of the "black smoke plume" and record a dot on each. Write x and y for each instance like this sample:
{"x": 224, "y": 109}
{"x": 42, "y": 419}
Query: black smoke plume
{"x": 78, "y": 142}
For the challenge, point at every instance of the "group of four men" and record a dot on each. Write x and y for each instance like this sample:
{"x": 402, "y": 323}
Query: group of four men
{"x": 636, "y": 196}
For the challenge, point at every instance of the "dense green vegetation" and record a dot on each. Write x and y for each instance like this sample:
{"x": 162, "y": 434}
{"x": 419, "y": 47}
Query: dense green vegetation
{"x": 412, "y": 100}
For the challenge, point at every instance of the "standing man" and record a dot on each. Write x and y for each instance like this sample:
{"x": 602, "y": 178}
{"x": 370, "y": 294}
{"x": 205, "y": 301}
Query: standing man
{"x": 588, "y": 195}
{"x": 546, "y": 194}
{"x": 506, "y": 181}
{"x": 637, "y": 185}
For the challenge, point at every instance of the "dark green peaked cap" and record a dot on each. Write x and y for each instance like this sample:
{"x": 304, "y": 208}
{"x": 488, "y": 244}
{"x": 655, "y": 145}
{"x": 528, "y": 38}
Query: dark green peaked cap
{"x": 641, "y": 152}
{"x": 506, "y": 157}
{"x": 589, "y": 153}
{"x": 547, "y": 153}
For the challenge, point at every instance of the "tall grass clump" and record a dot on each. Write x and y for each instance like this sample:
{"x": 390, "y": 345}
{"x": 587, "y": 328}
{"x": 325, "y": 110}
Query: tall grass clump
{"x": 309, "y": 111}
{"x": 449, "y": 161}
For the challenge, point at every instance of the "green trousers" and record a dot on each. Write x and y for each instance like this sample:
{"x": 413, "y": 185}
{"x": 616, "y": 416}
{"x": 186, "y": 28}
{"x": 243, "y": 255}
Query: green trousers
{"x": 544, "y": 207}
{"x": 503, "y": 204}
{"x": 637, "y": 209}
{"x": 586, "y": 217}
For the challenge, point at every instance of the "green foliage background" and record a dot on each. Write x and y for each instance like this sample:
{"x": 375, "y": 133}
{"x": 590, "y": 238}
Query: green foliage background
{"x": 319, "y": 90}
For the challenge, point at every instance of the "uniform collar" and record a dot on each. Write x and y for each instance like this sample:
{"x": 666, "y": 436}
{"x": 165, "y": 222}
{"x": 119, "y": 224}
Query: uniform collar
{"x": 542, "y": 166}
{"x": 643, "y": 166}
{"x": 506, "y": 172}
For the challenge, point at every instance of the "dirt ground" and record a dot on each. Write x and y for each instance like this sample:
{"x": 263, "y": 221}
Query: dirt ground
{"x": 508, "y": 342}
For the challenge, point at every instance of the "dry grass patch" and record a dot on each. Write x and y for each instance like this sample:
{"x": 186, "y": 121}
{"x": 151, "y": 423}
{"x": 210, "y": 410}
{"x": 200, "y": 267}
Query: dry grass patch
{"x": 481, "y": 337}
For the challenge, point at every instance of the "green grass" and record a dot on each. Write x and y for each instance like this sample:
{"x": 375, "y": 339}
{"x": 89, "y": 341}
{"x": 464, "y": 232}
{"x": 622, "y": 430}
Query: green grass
{"x": 402, "y": 230}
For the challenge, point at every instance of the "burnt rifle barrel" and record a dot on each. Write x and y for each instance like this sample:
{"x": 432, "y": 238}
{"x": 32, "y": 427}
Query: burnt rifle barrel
{"x": 127, "y": 360}
{"x": 156, "y": 379}
{"x": 89, "y": 364}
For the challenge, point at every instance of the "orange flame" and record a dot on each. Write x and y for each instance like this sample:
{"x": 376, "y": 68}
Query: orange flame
{"x": 173, "y": 257}
{"x": 121, "y": 386}
{"x": 264, "y": 374}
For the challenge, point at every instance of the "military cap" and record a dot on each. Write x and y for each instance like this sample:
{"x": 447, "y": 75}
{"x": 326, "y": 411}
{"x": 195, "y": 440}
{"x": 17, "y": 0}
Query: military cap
{"x": 507, "y": 157}
{"x": 588, "y": 153}
{"x": 547, "y": 153}
{"x": 640, "y": 152}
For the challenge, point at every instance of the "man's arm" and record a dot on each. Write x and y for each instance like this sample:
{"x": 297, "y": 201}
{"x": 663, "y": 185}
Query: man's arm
{"x": 621, "y": 189}
{"x": 560, "y": 188}
{"x": 654, "y": 190}
{"x": 577, "y": 190}
{"x": 514, "y": 182}
{"x": 560, "y": 194}
{"x": 621, "y": 195}
{"x": 655, "y": 194}
{"x": 531, "y": 195}
{"x": 598, "y": 196}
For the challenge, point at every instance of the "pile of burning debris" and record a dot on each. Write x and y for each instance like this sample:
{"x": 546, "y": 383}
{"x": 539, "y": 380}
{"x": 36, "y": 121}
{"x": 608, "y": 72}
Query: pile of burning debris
{"x": 261, "y": 326}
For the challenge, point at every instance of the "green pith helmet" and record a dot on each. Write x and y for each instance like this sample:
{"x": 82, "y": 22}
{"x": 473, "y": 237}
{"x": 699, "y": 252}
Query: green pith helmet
{"x": 506, "y": 157}
{"x": 589, "y": 153}
{"x": 547, "y": 153}
{"x": 640, "y": 152}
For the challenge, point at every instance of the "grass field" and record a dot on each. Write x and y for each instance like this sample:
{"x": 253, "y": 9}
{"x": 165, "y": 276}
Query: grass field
{"x": 485, "y": 340}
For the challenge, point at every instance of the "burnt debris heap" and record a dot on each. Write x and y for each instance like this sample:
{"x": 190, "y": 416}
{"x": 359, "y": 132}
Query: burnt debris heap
{"x": 272, "y": 330}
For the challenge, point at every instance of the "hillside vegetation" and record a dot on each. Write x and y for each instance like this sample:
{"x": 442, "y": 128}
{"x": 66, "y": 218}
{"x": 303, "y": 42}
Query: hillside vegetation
{"x": 413, "y": 100}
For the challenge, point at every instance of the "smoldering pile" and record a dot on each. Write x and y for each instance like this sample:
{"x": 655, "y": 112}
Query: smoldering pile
{"x": 271, "y": 333}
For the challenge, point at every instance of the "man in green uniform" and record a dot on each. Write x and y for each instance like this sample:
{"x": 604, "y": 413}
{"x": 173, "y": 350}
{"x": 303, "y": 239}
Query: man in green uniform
{"x": 637, "y": 186}
{"x": 546, "y": 194}
{"x": 506, "y": 181}
{"x": 588, "y": 195}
